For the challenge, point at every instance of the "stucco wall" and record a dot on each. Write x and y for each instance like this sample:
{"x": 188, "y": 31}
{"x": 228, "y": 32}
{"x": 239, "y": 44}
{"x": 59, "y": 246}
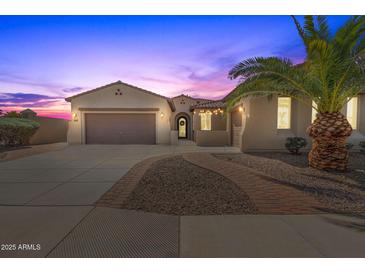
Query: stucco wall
{"x": 182, "y": 105}
{"x": 361, "y": 117}
{"x": 51, "y": 130}
{"x": 212, "y": 138}
{"x": 358, "y": 134}
{"x": 219, "y": 121}
{"x": 236, "y": 123}
{"x": 130, "y": 98}
{"x": 218, "y": 136}
{"x": 260, "y": 124}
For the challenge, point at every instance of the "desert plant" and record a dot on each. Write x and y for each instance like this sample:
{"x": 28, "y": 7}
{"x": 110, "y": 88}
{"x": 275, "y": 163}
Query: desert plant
{"x": 295, "y": 144}
{"x": 16, "y": 131}
{"x": 332, "y": 73}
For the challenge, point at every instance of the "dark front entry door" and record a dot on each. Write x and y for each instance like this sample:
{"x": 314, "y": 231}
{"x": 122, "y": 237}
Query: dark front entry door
{"x": 182, "y": 127}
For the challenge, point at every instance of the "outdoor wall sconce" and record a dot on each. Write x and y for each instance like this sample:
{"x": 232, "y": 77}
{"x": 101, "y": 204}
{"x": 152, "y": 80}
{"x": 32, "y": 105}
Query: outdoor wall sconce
{"x": 240, "y": 109}
{"x": 162, "y": 115}
{"x": 75, "y": 117}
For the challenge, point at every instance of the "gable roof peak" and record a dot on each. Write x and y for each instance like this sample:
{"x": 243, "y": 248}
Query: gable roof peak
{"x": 119, "y": 82}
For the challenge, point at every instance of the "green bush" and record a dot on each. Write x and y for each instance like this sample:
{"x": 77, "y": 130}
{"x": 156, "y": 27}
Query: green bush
{"x": 294, "y": 144}
{"x": 12, "y": 114}
{"x": 16, "y": 131}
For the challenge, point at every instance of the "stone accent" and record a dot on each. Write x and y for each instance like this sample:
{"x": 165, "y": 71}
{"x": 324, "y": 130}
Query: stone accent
{"x": 268, "y": 195}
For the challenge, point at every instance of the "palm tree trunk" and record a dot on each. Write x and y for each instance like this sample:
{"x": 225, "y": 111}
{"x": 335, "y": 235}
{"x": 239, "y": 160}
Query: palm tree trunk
{"x": 329, "y": 132}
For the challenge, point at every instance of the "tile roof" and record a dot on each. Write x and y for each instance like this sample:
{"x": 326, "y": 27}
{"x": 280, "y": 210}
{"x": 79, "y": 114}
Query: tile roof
{"x": 190, "y": 97}
{"x": 209, "y": 104}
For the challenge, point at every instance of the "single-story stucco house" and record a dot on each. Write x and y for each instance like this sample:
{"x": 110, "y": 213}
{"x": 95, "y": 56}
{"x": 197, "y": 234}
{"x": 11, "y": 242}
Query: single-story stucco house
{"x": 119, "y": 113}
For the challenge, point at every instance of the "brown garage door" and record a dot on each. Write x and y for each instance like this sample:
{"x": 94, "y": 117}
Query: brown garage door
{"x": 116, "y": 128}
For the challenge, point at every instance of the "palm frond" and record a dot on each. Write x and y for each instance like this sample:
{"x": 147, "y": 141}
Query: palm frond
{"x": 333, "y": 72}
{"x": 347, "y": 37}
{"x": 323, "y": 28}
{"x": 309, "y": 27}
{"x": 300, "y": 30}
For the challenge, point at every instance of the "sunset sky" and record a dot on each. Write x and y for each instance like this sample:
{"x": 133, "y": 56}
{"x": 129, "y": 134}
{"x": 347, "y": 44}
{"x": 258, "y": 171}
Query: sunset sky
{"x": 44, "y": 59}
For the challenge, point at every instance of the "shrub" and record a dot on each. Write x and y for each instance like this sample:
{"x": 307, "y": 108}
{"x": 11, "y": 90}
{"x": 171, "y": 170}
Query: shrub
{"x": 12, "y": 114}
{"x": 16, "y": 131}
{"x": 362, "y": 146}
{"x": 349, "y": 146}
{"x": 294, "y": 144}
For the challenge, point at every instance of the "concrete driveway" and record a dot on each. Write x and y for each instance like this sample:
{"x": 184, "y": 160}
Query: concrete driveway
{"x": 42, "y": 197}
{"x": 76, "y": 175}
{"x": 46, "y": 209}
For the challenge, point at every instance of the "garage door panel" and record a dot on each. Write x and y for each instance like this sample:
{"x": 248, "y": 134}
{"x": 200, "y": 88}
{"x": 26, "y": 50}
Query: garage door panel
{"x": 117, "y": 128}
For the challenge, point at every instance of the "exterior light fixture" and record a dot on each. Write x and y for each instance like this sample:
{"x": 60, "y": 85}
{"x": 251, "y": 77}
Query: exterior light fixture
{"x": 162, "y": 114}
{"x": 75, "y": 117}
{"x": 240, "y": 109}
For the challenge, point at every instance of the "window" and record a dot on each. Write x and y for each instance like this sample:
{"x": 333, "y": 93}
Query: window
{"x": 314, "y": 111}
{"x": 206, "y": 121}
{"x": 351, "y": 113}
{"x": 284, "y": 112}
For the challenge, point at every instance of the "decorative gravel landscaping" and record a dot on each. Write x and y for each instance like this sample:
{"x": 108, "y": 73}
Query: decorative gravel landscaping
{"x": 338, "y": 192}
{"x": 356, "y": 168}
{"x": 174, "y": 186}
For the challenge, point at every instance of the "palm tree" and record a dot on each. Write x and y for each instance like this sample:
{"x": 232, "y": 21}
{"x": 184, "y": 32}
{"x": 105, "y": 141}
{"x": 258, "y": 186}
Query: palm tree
{"x": 332, "y": 73}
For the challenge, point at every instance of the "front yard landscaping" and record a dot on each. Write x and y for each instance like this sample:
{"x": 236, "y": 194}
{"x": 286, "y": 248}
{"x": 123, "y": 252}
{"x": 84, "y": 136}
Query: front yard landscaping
{"x": 338, "y": 192}
{"x": 174, "y": 186}
{"x": 235, "y": 183}
{"x": 356, "y": 167}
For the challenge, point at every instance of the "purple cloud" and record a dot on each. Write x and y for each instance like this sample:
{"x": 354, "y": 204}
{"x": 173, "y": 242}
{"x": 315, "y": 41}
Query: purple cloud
{"x": 8, "y": 77}
{"x": 27, "y": 100}
{"x": 73, "y": 89}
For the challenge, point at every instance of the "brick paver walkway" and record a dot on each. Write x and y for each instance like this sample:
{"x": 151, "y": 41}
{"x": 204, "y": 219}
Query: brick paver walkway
{"x": 116, "y": 196}
{"x": 269, "y": 197}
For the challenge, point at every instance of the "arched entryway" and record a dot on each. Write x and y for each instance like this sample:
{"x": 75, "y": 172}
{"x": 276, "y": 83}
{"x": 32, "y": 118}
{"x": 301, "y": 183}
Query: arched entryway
{"x": 183, "y": 126}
